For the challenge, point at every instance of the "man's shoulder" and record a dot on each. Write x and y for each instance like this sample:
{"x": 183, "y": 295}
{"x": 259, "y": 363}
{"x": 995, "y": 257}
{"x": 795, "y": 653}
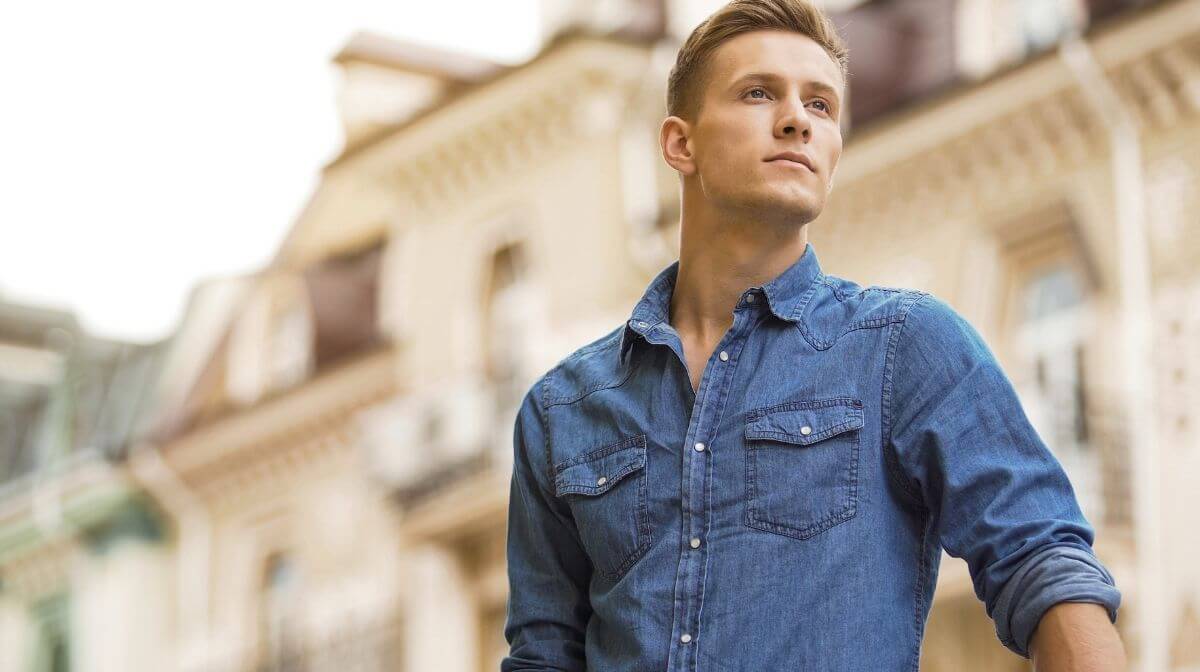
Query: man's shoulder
{"x": 934, "y": 330}
{"x": 839, "y": 306}
{"x": 590, "y": 367}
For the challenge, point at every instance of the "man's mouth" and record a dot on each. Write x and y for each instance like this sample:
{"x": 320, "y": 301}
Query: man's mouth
{"x": 794, "y": 160}
{"x": 791, "y": 164}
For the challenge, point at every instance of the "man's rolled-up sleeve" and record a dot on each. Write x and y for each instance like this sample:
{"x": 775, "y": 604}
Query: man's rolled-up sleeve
{"x": 548, "y": 571}
{"x": 998, "y": 497}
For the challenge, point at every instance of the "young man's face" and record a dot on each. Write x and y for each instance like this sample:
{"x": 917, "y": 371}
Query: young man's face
{"x": 769, "y": 92}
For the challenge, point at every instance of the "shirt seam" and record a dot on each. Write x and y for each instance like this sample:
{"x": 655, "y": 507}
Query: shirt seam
{"x": 544, "y": 420}
{"x": 919, "y": 606}
{"x": 888, "y": 406}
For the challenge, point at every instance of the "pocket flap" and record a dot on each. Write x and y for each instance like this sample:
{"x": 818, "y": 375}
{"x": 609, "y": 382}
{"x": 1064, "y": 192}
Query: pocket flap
{"x": 594, "y": 472}
{"x": 805, "y": 422}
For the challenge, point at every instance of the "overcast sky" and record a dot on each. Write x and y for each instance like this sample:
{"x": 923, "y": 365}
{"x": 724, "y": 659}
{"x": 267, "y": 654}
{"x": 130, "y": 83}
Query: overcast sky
{"x": 146, "y": 145}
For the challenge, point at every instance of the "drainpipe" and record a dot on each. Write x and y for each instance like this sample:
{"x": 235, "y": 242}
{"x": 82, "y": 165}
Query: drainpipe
{"x": 194, "y": 570}
{"x": 1135, "y": 301}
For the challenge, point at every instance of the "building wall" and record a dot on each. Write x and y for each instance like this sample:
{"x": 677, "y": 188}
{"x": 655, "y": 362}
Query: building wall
{"x": 357, "y": 519}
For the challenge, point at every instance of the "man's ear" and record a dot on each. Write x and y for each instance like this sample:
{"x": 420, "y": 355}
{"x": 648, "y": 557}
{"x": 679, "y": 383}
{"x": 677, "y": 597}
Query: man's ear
{"x": 674, "y": 139}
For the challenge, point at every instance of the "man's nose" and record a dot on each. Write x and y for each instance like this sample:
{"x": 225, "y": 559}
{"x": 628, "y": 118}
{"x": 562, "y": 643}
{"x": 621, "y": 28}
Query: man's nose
{"x": 793, "y": 120}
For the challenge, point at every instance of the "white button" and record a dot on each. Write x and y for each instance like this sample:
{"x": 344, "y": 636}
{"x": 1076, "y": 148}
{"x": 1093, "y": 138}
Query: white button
{"x": 724, "y": 356}
{"x": 685, "y": 638}
{"x": 699, "y": 446}
{"x": 640, "y": 323}
{"x": 602, "y": 479}
{"x": 695, "y": 542}
{"x": 749, "y": 298}
{"x": 806, "y": 430}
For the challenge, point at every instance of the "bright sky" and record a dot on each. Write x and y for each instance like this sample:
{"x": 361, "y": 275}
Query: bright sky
{"x": 145, "y": 145}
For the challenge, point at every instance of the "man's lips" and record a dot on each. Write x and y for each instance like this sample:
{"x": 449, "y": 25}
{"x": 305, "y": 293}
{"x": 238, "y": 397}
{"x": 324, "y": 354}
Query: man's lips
{"x": 791, "y": 164}
{"x": 795, "y": 159}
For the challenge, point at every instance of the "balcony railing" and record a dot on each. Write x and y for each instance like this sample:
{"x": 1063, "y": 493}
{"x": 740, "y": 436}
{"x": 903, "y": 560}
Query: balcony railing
{"x": 369, "y": 648}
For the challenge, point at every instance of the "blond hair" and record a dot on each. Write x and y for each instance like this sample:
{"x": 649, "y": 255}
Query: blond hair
{"x": 685, "y": 85}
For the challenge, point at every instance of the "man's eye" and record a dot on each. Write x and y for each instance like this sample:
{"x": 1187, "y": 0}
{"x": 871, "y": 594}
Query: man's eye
{"x": 756, "y": 89}
{"x": 827, "y": 109}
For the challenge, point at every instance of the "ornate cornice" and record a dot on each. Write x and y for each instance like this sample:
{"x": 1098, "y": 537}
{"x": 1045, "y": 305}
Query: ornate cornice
{"x": 976, "y": 147}
{"x": 480, "y": 140}
{"x": 247, "y": 451}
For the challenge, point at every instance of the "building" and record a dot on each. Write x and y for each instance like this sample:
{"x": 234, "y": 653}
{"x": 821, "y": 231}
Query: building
{"x": 78, "y": 536}
{"x": 332, "y": 450}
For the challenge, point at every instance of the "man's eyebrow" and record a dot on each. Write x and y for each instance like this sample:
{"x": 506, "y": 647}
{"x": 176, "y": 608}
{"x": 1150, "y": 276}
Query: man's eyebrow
{"x": 772, "y": 77}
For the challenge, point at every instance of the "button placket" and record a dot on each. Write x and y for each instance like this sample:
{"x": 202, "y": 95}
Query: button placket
{"x": 692, "y": 567}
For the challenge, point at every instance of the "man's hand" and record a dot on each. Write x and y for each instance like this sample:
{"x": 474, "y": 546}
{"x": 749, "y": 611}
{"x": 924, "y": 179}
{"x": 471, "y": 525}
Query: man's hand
{"x": 1076, "y": 637}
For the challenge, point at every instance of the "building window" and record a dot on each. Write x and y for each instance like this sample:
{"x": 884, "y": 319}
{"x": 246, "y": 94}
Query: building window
{"x": 343, "y": 293}
{"x": 1051, "y": 374}
{"x": 508, "y": 298}
{"x": 1044, "y": 23}
{"x": 279, "y": 612}
{"x": 291, "y": 351}
{"x": 53, "y": 644}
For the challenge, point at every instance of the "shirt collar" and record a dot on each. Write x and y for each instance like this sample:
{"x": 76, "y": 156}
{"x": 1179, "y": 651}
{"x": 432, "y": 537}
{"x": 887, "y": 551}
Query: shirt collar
{"x": 786, "y": 295}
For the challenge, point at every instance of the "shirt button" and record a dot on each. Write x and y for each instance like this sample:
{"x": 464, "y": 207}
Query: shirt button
{"x": 699, "y": 446}
{"x": 601, "y": 480}
{"x": 806, "y": 430}
{"x": 685, "y": 638}
{"x": 724, "y": 356}
{"x": 749, "y": 298}
{"x": 695, "y": 542}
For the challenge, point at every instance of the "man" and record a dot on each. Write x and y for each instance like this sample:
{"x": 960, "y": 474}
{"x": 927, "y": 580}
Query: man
{"x": 758, "y": 471}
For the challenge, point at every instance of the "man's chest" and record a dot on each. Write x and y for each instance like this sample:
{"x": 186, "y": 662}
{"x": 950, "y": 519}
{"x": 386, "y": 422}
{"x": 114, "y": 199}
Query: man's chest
{"x": 780, "y": 438}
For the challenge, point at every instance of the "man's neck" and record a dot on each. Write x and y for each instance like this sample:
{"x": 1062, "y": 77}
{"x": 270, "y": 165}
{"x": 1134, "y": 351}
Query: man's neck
{"x": 719, "y": 258}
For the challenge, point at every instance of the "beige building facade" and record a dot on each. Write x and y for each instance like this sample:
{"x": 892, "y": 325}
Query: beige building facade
{"x": 332, "y": 454}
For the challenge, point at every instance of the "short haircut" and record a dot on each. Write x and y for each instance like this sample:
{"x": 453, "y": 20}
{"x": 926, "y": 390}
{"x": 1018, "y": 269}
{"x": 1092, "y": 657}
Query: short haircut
{"x": 689, "y": 76}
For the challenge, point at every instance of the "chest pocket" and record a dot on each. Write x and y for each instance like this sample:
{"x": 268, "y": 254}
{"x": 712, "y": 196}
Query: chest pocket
{"x": 802, "y": 465}
{"x": 606, "y": 490}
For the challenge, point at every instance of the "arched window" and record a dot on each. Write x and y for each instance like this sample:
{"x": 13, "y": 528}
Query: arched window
{"x": 1053, "y": 326}
{"x": 279, "y": 612}
{"x": 508, "y": 299}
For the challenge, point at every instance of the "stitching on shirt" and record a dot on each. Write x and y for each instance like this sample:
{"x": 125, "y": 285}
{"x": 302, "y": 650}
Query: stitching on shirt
{"x": 602, "y": 451}
{"x": 862, "y": 290}
{"x": 600, "y": 343}
{"x": 886, "y": 404}
{"x": 865, "y": 323}
{"x": 919, "y": 606}
{"x": 580, "y": 394}
{"x": 545, "y": 420}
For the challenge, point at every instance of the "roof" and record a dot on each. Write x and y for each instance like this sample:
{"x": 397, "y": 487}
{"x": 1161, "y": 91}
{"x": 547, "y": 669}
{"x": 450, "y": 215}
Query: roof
{"x": 368, "y": 47}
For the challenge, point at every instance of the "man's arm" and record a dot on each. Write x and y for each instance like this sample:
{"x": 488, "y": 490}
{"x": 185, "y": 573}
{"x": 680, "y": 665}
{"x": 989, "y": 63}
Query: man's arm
{"x": 967, "y": 454}
{"x": 1077, "y": 636}
{"x": 548, "y": 571}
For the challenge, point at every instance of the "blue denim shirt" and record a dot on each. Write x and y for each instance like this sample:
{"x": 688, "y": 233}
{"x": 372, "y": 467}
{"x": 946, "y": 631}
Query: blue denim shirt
{"x": 790, "y": 514}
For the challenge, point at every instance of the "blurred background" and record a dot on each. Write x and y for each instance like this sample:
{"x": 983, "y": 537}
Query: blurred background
{"x": 273, "y": 281}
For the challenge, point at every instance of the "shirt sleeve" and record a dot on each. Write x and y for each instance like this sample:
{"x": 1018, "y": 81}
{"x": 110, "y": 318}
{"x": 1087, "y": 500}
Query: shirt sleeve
{"x": 997, "y": 496}
{"x": 548, "y": 571}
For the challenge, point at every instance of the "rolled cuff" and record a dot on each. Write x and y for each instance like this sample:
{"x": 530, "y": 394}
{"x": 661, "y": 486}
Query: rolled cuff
{"x": 1057, "y": 573}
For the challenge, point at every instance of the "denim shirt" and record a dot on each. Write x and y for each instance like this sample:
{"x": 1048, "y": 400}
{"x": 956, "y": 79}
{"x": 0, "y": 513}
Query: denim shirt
{"x": 789, "y": 514}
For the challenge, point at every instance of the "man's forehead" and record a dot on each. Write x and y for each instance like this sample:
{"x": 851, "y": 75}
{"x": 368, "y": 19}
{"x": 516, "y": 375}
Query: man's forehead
{"x": 784, "y": 54}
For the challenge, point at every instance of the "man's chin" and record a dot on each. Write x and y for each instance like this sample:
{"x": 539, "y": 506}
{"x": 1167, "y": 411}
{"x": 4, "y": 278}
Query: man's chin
{"x": 792, "y": 210}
